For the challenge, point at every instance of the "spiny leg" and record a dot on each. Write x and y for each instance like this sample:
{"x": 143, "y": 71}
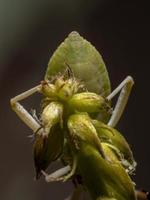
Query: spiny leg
{"x": 23, "y": 114}
{"x": 125, "y": 88}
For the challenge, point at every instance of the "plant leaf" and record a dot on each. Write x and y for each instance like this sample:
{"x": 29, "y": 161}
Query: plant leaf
{"x": 85, "y": 62}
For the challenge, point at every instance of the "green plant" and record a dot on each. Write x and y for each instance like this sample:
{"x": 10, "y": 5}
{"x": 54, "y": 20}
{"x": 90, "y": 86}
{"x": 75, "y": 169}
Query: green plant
{"x": 76, "y": 123}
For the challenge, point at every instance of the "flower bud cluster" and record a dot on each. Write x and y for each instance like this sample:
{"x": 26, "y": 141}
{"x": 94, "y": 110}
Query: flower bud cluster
{"x": 60, "y": 89}
{"x": 73, "y": 133}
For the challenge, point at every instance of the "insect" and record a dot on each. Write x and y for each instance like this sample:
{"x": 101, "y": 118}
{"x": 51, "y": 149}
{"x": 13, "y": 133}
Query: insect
{"x": 77, "y": 122}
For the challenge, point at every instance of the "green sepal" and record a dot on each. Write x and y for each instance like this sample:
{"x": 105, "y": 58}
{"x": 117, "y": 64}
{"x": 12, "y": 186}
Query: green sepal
{"x": 51, "y": 115}
{"x": 48, "y": 145}
{"x": 103, "y": 178}
{"x": 81, "y": 129}
{"x": 112, "y": 136}
{"x": 88, "y": 102}
{"x": 47, "y": 148}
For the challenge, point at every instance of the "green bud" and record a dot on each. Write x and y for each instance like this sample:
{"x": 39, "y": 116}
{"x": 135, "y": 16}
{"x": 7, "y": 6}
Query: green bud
{"x": 48, "y": 90}
{"x": 59, "y": 83}
{"x": 113, "y": 158}
{"x": 48, "y": 144}
{"x": 102, "y": 178}
{"x": 51, "y": 115}
{"x": 47, "y": 149}
{"x": 82, "y": 130}
{"x": 88, "y": 102}
{"x": 113, "y": 137}
{"x": 69, "y": 88}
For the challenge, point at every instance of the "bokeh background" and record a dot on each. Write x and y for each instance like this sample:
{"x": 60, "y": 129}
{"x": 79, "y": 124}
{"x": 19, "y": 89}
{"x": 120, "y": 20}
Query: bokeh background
{"x": 30, "y": 31}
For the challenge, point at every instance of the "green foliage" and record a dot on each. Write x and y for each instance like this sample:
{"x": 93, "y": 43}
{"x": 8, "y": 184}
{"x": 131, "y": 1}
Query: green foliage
{"x": 85, "y": 62}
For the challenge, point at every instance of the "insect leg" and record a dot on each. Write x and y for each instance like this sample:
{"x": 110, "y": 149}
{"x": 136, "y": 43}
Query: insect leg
{"x": 57, "y": 175}
{"x": 23, "y": 114}
{"x": 125, "y": 88}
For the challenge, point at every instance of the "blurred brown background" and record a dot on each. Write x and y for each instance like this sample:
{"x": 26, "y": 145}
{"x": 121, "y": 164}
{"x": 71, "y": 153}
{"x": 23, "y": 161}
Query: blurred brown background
{"x": 30, "y": 30}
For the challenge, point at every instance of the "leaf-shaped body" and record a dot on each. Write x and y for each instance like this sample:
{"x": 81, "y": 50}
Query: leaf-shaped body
{"x": 85, "y": 62}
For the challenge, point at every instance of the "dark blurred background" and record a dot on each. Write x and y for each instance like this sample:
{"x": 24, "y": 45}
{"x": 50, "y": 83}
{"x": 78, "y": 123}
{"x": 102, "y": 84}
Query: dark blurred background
{"x": 30, "y": 31}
